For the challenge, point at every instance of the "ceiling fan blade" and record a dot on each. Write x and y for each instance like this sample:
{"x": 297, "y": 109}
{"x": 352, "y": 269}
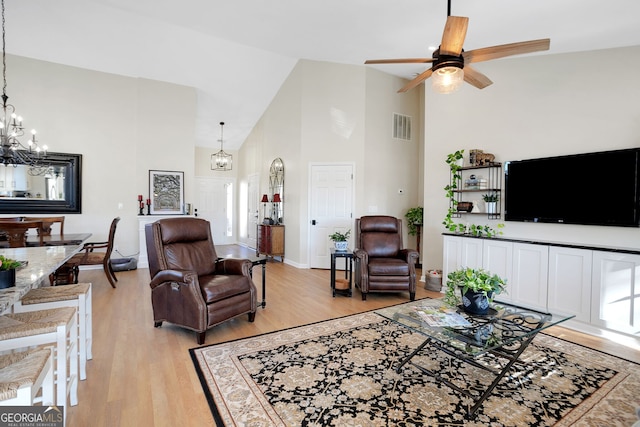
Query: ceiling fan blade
{"x": 453, "y": 37}
{"x": 476, "y": 78}
{"x": 415, "y": 82}
{"x": 400, "y": 61}
{"x": 495, "y": 52}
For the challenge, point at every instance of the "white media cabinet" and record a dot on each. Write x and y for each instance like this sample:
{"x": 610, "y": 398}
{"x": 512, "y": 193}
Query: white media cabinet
{"x": 599, "y": 285}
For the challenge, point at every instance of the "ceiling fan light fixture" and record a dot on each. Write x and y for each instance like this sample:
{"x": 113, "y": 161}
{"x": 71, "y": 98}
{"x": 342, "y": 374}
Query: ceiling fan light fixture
{"x": 447, "y": 79}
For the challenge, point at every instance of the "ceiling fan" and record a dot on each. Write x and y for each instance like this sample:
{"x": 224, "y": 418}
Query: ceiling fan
{"x": 451, "y": 63}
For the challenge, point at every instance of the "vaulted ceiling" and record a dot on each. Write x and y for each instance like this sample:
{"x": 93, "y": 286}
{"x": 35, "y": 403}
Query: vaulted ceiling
{"x": 237, "y": 53}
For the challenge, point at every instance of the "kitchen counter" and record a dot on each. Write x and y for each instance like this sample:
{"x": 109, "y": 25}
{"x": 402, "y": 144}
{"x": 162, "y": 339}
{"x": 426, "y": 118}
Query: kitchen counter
{"x": 41, "y": 262}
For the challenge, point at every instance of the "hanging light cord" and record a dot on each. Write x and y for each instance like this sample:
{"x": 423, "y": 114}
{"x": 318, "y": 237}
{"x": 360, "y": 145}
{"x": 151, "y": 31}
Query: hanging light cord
{"x": 4, "y": 62}
{"x": 221, "y": 134}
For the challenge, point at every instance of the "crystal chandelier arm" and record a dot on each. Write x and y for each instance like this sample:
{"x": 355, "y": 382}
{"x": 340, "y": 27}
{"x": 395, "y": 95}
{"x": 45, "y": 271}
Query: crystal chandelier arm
{"x": 12, "y": 151}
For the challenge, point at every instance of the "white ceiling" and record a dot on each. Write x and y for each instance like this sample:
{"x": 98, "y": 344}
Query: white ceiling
{"x": 237, "y": 53}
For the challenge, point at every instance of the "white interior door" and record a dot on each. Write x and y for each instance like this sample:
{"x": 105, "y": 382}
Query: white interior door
{"x": 331, "y": 199}
{"x": 214, "y": 201}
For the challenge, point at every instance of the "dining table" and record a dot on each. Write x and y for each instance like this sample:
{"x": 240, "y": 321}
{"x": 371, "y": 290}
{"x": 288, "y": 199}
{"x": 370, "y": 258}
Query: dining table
{"x": 38, "y": 263}
{"x": 52, "y": 240}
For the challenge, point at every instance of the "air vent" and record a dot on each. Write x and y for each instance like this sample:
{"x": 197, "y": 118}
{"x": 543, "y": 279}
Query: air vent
{"x": 401, "y": 127}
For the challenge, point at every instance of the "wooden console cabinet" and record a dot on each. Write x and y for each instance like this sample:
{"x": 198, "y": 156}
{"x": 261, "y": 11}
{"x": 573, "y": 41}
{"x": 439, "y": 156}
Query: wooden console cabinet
{"x": 270, "y": 240}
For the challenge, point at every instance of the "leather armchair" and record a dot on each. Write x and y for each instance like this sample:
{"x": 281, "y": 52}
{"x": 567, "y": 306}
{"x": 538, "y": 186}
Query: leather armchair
{"x": 190, "y": 286}
{"x": 382, "y": 265}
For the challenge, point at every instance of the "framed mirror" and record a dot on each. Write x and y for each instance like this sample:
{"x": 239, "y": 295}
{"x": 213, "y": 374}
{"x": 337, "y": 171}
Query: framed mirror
{"x": 276, "y": 188}
{"x": 52, "y": 188}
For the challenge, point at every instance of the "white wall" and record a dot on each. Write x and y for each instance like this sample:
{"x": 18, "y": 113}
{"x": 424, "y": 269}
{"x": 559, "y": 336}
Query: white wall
{"x": 122, "y": 126}
{"x": 328, "y": 112}
{"x": 538, "y": 106}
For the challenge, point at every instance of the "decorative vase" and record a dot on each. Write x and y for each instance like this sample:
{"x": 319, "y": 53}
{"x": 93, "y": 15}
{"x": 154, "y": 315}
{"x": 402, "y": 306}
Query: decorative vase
{"x": 475, "y": 302}
{"x": 7, "y": 278}
{"x": 492, "y": 207}
{"x": 341, "y": 246}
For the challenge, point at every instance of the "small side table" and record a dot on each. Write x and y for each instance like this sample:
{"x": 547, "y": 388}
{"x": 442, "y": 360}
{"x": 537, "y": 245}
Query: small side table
{"x": 263, "y": 262}
{"x": 348, "y": 272}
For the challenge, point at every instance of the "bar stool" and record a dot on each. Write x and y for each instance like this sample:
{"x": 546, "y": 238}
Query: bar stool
{"x": 45, "y": 327}
{"x": 23, "y": 374}
{"x": 77, "y": 296}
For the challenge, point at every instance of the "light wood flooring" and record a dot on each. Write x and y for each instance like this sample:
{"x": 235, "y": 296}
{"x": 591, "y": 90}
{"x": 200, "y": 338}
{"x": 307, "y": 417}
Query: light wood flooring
{"x": 144, "y": 376}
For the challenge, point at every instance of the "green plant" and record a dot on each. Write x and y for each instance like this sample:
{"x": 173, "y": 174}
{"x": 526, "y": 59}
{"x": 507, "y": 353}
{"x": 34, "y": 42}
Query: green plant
{"x": 472, "y": 279}
{"x": 8, "y": 263}
{"x": 491, "y": 197}
{"x": 456, "y": 176}
{"x": 414, "y": 217}
{"x": 485, "y": 230}
{"x": 340, "y": 237}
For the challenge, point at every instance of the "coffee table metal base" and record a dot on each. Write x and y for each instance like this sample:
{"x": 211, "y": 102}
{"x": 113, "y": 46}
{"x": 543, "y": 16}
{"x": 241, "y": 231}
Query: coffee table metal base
{"x": 511, "y": 357}
{"x": 501, "y": 335}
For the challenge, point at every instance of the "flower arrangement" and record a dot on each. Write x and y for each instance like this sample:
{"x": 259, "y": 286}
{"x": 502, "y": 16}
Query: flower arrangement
{"x": 8, "y": 263}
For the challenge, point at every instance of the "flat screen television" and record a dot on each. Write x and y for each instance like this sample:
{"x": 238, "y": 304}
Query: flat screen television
{"x": 600, "y": 188}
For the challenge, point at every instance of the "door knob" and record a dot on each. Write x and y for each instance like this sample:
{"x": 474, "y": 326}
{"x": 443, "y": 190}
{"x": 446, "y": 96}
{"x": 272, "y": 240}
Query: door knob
{"x": 313, "y": 222}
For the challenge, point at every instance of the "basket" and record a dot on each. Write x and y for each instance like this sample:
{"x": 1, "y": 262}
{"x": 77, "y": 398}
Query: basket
{"x": 434, "y": 280}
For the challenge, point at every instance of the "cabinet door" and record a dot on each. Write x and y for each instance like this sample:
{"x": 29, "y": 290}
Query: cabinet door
{"x": 570, "y": 282}
{"x": 497, "y": 258}
{"x": 616, "y": 291}
{"x": 264, "y": 239}
{"x": 451, "y": 256}
{"x": 277, "y": 240}
{"x": 471, "y": 253}
{"x": 530, "y": 269}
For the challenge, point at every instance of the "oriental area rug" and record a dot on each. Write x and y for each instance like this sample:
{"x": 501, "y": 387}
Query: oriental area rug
{"x": 341, "y": 372}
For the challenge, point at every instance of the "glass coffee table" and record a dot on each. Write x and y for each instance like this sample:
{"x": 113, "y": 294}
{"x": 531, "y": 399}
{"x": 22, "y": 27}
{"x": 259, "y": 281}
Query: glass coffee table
{"x": 505, "y": 332}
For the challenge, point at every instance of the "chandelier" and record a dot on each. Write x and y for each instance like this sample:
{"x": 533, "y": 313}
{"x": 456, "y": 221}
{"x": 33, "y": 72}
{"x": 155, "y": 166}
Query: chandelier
{"x": 221, "y": 161}
{"x": 12, "y": 151}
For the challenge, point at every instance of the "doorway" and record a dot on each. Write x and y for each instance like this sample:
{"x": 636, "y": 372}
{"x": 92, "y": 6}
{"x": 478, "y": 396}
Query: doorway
{"x": 214, "y": 202}
{"x": 331, "y": 209}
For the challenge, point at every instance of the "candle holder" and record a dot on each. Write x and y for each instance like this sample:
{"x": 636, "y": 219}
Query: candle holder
{"x": 148, "y": 206}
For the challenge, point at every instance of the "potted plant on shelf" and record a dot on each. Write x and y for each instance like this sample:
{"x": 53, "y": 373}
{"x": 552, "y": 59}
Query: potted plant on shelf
{"x": 8, "y": 271}
{"x": 340, "y": 240}
{"x": 473, "y": 288}
{"x": 491, "y": 201}
{"x": 414, "y": 217}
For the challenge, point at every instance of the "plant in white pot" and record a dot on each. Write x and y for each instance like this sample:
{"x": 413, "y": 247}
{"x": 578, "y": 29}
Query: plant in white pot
{"x": 340, "y": 240}
{"x": 474, "y": 289}
{"x": 491, "y": 201}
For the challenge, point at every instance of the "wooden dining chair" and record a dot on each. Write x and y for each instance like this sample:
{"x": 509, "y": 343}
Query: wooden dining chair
{"x": 89, "y": 256}
{"x": 47, "y": 222}
{"x": 16, "y": 231}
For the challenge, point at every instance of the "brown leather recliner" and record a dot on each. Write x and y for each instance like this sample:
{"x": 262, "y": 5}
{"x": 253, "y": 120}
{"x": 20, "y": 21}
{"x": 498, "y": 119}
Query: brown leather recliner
{"x": 190, "y": 286}
{"x": 382, "y": 265}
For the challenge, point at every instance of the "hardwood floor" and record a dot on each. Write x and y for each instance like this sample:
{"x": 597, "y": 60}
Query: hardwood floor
{"x": 144, "y": 376}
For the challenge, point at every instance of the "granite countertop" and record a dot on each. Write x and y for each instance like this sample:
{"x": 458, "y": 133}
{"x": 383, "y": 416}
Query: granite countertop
{"x": 41, "y": 262}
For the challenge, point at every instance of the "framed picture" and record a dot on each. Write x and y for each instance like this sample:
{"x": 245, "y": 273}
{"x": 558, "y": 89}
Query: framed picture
{"x": 166, "y": 192}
